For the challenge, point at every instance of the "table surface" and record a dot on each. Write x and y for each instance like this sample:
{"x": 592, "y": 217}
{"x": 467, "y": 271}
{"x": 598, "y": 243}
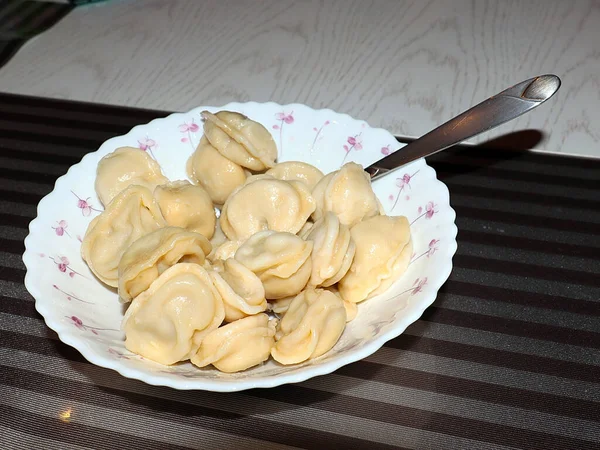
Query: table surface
{"x": 508, "y": 356}
{"x": 406, "y": 66}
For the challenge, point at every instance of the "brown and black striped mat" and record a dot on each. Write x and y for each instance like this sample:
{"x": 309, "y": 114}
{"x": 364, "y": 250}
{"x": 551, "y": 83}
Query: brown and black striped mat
{"x": 508, "y": 356}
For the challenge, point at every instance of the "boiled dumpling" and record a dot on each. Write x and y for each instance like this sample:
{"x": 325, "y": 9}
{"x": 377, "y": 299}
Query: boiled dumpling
{"x": 298, "y": 171}
{"x": 187, "y": 206}
{"x": 132, "y": 214}
{"x": 333, "y": 250}
{"x": 219, "y": 237}
{"x": 281, "y": 305}
{"x": 124, "y": 167}
{"x": 167, "y": 323}
{"x": 346, "y": 192}
{"x": 240, "y": 139}
{"x": 264, "y": 202}
{"x": 281, "y": 261}
{"x": 225, "y": 251}
{"x": 305, "y": 229}
{"x": 383, "y": 251}
{"x": 215, "y": 173}
{"x": 351, "y": 308}
{"x": 154, "y": 253}
{"x": 238, "y": 345}
{"x": 311, "y": 326}
{"x": 241, "y": 290}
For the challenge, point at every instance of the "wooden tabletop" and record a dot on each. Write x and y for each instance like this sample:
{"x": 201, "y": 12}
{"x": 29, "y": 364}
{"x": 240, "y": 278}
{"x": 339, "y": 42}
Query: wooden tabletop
{"x": 403, "y": 65}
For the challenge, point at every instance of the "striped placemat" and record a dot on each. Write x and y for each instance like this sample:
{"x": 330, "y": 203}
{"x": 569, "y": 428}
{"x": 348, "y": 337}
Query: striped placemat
{"x": 507, "y": 357}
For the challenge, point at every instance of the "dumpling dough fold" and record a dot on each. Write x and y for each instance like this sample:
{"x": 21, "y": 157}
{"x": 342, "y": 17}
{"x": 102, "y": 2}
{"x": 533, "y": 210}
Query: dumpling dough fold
{"x": 240, "y": 139}
{"x": 187, "y": 206}
{"x": 132, "y": 214}
{"x": 154, "y": 253}
{"x": 238, "y": 345}
{"x": 347, "y": 192}
{"x": 333, "y": 250}
{"x": 264, "y": 202}
{"x": 311, "y": 326}
{"x": 241, "y": 290}
{"x": 297, "y": 171}
{"x": 215, "y": 173}
{"x": 383, "y": 251}
{"x": 124, "y": 167}
{"x": 280, "y": 260}
{"x": 167, "y": 322}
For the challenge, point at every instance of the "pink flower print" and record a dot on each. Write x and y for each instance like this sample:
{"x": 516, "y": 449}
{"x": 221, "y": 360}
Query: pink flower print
{"x": 287, "y": 118}
{"x": 430, "y": 210}
{"x": 147, "y": 145}
{"x": 402, "y": 184}
{"x": 404, "y": 181}
{"x": 82, "y": 326}
{"x": 63, "y": 264}
{"x": 418, "y": 285}
{"x": 77, "y": 322}
{"x": 428, "y": 213}
{"x": 318, "y": 131}
{"x": 85, "y": 205}
{"x": 354, "y": 143}
{"x": 188, "y": 129}
{"x": 61, "y": 228}
{"x": 431, "y": 249}
{"x": 117, "y": 353}
{"x": 385, "y": 150}
{"x": 69, "y": 296}
{"x": 283, "y": 118}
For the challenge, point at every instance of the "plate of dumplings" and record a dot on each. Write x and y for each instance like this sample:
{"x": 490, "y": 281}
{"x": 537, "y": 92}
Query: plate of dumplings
{"x": 235, "y": 247}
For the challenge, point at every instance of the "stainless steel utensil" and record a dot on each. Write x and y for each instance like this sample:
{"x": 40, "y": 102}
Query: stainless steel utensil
{"x": 499, "y": 109}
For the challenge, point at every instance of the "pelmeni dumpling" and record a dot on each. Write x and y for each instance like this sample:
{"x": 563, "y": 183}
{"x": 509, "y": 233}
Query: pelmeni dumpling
{"x": 351, "y": 308}
{"x": 167, "y": 322}
{"x": 298, "y": 171}
{"x": 132, "y": 214}
{"x": 383, "y": 251}
{"x": 187, "y": 206}
{"x": 238, "y": 345}
{"x": 124, "y": 167}
{"x": 281, "y": 261}
{"x": 311, "y": 326}
{"x": 242, "y": 291}
{"x": 225, "y": 251}
{"x": 347, "y": 192}
{"x": 219, "y": 237}
{"x": 333, "y": 250}
{"x": 154, "y": 253}
{"x": 240, "y": 139}
{"x": 281, "y": 305}
{"x": 215, "y": 173}
{"x": 264, "y": 202}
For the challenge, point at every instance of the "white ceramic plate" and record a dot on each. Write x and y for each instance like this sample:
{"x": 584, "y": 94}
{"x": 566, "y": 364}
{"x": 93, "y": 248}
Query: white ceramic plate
{"x": 87, "y": 315}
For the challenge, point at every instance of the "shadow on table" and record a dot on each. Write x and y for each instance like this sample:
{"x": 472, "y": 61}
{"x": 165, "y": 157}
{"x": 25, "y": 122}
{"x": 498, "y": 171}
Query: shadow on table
{"x": 463, "y": 159}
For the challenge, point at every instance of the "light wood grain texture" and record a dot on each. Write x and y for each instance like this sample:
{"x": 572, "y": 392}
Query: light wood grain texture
{"x": 403, "y": 65}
